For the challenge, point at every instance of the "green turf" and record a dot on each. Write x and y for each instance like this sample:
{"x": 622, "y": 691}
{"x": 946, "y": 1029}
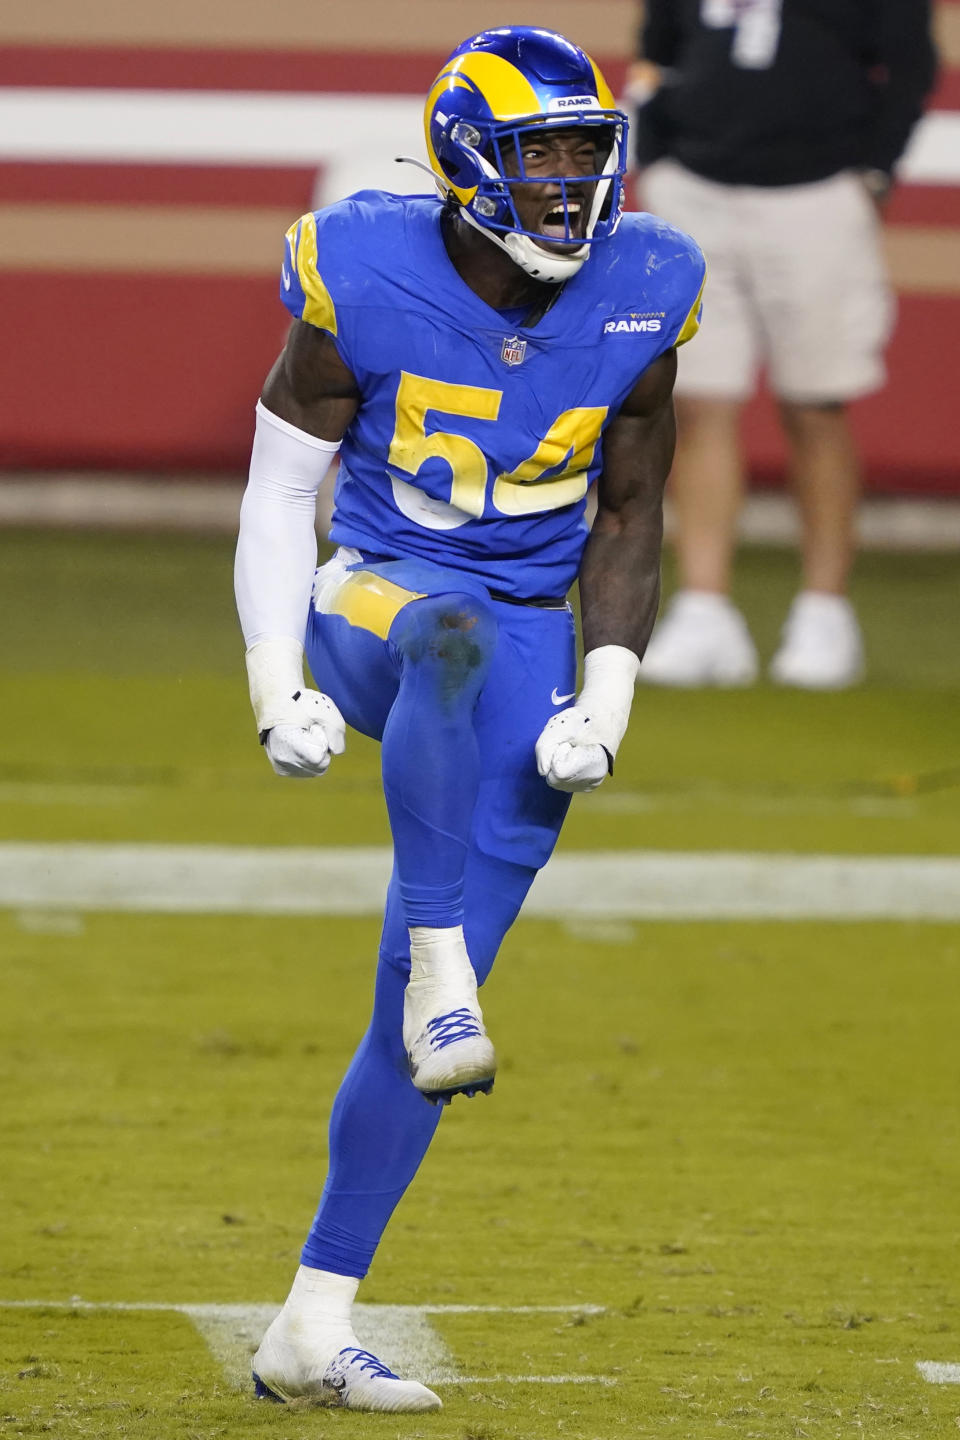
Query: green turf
{"x": 739, "y": 1139}
{"x": 742, "y": 1140}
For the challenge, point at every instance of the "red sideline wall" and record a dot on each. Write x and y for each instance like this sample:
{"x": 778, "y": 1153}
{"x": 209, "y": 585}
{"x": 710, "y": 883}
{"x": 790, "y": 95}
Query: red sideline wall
{"x": 133, "y": 339}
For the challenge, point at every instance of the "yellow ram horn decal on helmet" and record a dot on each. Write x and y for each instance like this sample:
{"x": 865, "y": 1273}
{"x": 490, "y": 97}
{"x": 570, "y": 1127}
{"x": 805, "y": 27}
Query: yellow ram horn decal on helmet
{"x": 604, "y": 93}
{"x": 447, "y": 80}
{"x": 506, "y": 89}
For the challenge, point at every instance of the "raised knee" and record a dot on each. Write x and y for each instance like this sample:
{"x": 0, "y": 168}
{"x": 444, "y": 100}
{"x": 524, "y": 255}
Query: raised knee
{"x": 456, "y": 633}
{"x": 455, "y": 628}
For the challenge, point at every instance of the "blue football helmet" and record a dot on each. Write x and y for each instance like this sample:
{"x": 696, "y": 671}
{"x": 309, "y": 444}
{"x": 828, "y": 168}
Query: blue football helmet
{"x": 495, "y": 87}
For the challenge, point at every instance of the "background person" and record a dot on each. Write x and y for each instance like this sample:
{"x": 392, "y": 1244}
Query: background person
{"x": 772, "y": 134}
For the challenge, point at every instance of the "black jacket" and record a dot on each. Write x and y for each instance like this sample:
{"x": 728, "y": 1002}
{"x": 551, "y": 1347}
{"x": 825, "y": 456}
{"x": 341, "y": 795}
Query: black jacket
{"x": 818, "y": 87}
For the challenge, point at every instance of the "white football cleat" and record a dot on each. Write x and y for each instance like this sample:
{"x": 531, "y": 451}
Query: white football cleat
{"x": 298, "y": 1359}
{"x": 448, "y": 1050}
{"x": 702, "y": 639}
{"x": 821, "y": 647}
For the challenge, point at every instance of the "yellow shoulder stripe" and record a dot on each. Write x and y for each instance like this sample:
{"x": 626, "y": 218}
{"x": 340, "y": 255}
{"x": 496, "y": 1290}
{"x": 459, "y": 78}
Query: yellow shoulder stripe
{"x": 318, "y": 307}
{"x": 691, "y": 325}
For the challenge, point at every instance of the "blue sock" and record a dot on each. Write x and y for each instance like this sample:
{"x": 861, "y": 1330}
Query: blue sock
{"x": 430, "y": 758}
{"x": 381, "y": 1126}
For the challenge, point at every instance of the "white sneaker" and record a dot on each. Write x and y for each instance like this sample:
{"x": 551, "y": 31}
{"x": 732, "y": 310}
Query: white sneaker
{"x": 702, "y": 639}
{"x": 448, "y": 1049}
{"x": 821, "y": 647}
{"x": 311, "y": 1352}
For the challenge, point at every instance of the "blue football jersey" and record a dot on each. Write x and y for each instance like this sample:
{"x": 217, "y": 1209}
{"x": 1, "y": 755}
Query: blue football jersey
{"x": 477, "y": 439}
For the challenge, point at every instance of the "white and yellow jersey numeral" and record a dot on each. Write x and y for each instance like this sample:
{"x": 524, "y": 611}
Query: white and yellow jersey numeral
{"x": 570, "y": 442}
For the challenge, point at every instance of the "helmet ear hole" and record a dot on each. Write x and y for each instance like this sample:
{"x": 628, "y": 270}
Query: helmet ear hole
{"x": 457, "y": 164}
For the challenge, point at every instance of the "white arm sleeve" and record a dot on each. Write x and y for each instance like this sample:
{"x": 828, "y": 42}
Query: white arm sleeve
{"x": 277, "y": 544}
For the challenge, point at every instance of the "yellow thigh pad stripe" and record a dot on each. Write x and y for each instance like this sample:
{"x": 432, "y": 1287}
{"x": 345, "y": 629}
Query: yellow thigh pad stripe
{"x": 371, "y": 603}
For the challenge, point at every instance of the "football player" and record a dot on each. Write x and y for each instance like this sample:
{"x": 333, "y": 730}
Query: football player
{"x": 478, "y": 360}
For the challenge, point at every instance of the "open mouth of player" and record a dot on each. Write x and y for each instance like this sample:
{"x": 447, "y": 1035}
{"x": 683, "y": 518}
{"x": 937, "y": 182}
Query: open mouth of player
{"x": 554, "y": 225}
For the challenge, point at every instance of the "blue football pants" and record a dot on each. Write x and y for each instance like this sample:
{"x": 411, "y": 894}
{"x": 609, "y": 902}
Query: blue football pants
{"x": 457, "y": 687}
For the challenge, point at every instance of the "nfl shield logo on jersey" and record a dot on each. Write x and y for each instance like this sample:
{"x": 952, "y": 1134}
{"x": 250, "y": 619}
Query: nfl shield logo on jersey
{"x": 513, "y": 350}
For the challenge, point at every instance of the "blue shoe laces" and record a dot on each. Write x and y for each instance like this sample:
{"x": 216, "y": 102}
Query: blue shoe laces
{"x": 446, "y": 1029}
{"x": 363, "y": 1360}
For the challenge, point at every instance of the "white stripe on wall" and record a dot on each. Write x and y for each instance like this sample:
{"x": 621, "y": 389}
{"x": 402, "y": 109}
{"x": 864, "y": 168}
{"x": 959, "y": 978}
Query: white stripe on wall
{"x": 353, "y": 137}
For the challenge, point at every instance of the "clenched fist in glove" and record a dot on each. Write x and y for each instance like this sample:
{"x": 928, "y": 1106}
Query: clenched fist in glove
{"x": 300, "y": 729}
{"x": 576, "y": 748}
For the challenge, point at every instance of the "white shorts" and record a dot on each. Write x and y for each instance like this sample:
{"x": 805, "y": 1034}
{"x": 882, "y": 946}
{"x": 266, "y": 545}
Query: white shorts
{"x": 796, "y": 283}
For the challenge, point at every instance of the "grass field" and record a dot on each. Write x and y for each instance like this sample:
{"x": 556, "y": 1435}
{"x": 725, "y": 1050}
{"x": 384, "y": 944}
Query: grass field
{"x": 728, "y": 1152}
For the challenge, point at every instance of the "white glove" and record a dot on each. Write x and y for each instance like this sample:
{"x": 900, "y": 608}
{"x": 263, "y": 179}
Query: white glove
{"x": 576, "y": 748}
{"x": 568, "y": 757}
{"x": 301, "y": 748}
{"x": 300, "y": 729}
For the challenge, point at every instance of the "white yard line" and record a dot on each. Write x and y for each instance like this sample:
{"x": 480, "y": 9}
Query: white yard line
{"x": 938, "y": 1372}
{"x": 532, "y": 1380}
{"x": 399, "y": 1334}
{"x": 613, "y": 885}
{"x": 270, "y": 1307}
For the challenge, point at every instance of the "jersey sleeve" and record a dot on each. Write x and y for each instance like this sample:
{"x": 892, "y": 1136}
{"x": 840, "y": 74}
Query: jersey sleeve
{"x": 684, "y": 272}
{"x": 302, "y": 287}
{"x": 691, "y": 323}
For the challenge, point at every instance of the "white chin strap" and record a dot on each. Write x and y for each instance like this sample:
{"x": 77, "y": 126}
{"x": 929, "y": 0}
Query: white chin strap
{"x": 540, "y": 264}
